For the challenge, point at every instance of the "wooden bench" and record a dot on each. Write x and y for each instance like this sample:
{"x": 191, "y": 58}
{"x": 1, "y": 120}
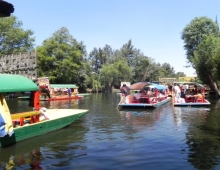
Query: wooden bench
{"x": 32, "y": 116}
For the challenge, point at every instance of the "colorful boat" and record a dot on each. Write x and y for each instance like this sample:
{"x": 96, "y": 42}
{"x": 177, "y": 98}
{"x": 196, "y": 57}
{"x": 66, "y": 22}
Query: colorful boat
{"x": 145, "y": 95}
{"x": 20, "y": 126}
{"x": 189, "y": 99}
{"x": 50, "y": 92}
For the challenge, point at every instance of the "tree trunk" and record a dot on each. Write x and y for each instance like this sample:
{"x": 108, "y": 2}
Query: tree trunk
{"x": 214, "y": 86}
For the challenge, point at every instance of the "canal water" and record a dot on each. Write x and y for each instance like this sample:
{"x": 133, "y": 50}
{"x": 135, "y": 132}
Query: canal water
{"x": 164, "y": 138}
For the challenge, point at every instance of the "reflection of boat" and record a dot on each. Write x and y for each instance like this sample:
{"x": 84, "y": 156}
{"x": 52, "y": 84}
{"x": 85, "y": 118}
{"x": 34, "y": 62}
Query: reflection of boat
{"x": 21, "y": 126}
{"x": 150, "y": 95}
{"x": 21, "y": 153}
{"x": 190, "y": 99}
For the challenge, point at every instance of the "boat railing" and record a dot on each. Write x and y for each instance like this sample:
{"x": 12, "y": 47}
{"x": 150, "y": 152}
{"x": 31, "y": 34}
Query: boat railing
{"x": 21, "y": 118}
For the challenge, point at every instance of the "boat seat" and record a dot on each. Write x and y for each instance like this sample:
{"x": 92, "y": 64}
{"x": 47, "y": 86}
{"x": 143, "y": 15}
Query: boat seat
{"x": 135, "y": 100}
{"x": 189, "y": 99}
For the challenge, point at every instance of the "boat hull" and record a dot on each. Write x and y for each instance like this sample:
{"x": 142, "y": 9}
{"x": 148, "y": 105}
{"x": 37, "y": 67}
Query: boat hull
{"x": 193, "y": 104}
{"x": 145, "y": 105}
{"x": 59, "y": 118}
{"x": 61, "y": 98}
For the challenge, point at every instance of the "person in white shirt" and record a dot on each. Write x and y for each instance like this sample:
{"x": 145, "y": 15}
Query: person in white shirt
{"x": 185, "y": 87}
{"x": 137, "y": 95}
{"x": 177, "y": 92}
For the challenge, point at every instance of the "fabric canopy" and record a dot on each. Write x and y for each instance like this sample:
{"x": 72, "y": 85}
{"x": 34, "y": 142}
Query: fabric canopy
{"x": 16, "y": 83}
{"x": 159, "y": 86}
{"x": 63, "y": 86}
{"x": 141, "y": 85}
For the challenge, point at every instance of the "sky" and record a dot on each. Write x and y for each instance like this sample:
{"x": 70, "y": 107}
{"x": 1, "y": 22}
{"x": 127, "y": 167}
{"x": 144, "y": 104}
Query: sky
{"x": 153, "y": 26}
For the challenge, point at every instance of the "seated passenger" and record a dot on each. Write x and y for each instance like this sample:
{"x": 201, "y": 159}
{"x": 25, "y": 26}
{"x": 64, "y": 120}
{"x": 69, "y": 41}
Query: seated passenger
{"x": 198, "y": 96}
{"x": 137, "y": 95}
{"x": 182, "y": 94}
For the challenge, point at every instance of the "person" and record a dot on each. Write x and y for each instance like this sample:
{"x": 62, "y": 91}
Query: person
{"x": 125, "y": 90}
{"x": 43, "y": 113}
{"x": 177, "y": 92}
{"x": 182, "y": 94}
{"x": 186, "y": 87}
{"x": 69, "y": 91}
{"x": 137, "y": 95}
{"x": 198, "y": 96}
{"x": 47, "y": 91}
{"x": 182, "y": 97}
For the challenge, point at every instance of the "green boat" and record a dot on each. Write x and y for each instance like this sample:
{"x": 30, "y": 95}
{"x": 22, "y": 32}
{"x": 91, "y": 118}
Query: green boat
{"x": 21, "y": 126}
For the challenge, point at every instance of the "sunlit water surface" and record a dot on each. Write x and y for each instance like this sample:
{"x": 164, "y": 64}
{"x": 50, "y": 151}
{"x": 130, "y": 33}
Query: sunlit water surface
{"x": 107, "y": 138}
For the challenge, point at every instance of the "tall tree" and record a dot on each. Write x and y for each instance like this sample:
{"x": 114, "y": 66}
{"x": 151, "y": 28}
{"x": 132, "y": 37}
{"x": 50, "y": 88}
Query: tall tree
{"x": 207, "y": 61}
{"x": 129, "y": 53}
{"x": 200, "y": 44}
{"x": 61, "y": 58}
{"x": 194, "y": 32}
{"x": 14, "y": 39}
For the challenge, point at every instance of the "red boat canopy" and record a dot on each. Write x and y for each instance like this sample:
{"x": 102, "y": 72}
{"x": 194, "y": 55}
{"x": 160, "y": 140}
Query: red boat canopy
{"x": 139, "y": 86}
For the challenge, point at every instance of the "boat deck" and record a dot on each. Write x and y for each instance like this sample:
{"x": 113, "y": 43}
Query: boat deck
{"x": 59, "y": 113}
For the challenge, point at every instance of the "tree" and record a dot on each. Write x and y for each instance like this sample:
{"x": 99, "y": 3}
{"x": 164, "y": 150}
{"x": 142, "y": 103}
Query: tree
{"x": 61, "y": 58}
{"x": 141, "y": 68}
{"x": 128, "y": 53}
{"x": 180, "y": 74}
{"x": 194, "y": 32}
{"x": 202, "y": 49}
{"x": 113, "y": 74}
{"x": 13, "y": 39}
{"x": 206, "y": 61}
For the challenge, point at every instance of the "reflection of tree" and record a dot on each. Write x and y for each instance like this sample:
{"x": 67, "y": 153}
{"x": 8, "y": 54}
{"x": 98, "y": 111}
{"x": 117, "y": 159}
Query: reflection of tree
{"x": 203, "y": 141}
{"x": 33, "y": 151}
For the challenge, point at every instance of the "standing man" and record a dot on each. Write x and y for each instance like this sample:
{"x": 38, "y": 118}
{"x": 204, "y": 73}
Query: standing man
{"x": 69, "y": 91}
{"x": 177, "y": 92}
{"x": 125, "y": 90}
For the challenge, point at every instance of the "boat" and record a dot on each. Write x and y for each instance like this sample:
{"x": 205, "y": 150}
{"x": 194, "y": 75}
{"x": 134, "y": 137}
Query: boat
{"x": 83, "y": 94}
{"x": 190, "y": 100}
{"x": 15, "y": 127}
{"x": 59, "y": 92}
{"x": 50, "y": 92}
{"x": 140, "y": 96}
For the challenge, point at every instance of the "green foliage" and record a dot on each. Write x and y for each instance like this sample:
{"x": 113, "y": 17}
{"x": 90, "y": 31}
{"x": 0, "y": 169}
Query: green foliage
{"x": 201, "y": 38}
{"x": 207, "y": 59}
{"x": 61, "y": 58}
{"x": 13, "y": 39}
{"x": 194, "y": 32}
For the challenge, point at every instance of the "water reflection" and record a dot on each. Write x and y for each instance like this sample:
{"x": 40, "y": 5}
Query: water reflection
{"x": 56, "y": 148}
{"x": 202, "y": 136}
{"x": 139, "y": 118}
{"x": 107, "y": 138}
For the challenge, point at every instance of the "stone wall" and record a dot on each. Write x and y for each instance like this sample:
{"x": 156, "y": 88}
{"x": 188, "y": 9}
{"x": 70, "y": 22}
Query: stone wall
{"x": 23, "y": 64}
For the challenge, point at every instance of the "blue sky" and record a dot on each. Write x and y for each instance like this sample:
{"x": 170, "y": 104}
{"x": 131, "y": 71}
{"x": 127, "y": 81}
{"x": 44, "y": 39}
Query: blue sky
{"x": 154, "y": 26}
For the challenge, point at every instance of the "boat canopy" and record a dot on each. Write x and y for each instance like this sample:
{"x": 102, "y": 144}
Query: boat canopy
{"x": 16, "y": 83}
{"x": 141, "y": 85}
{"x": 63, "y": 86}
{"x": 159, "y": 86}
{"x": 190, "y": 83}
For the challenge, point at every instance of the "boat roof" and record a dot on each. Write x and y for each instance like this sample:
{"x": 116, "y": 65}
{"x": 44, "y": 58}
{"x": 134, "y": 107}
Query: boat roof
{"x": 190, "y": 83}
{"x": 16, "y": 83}
{"x": 63, "y": 86}
{"x": 141, "y": 85}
